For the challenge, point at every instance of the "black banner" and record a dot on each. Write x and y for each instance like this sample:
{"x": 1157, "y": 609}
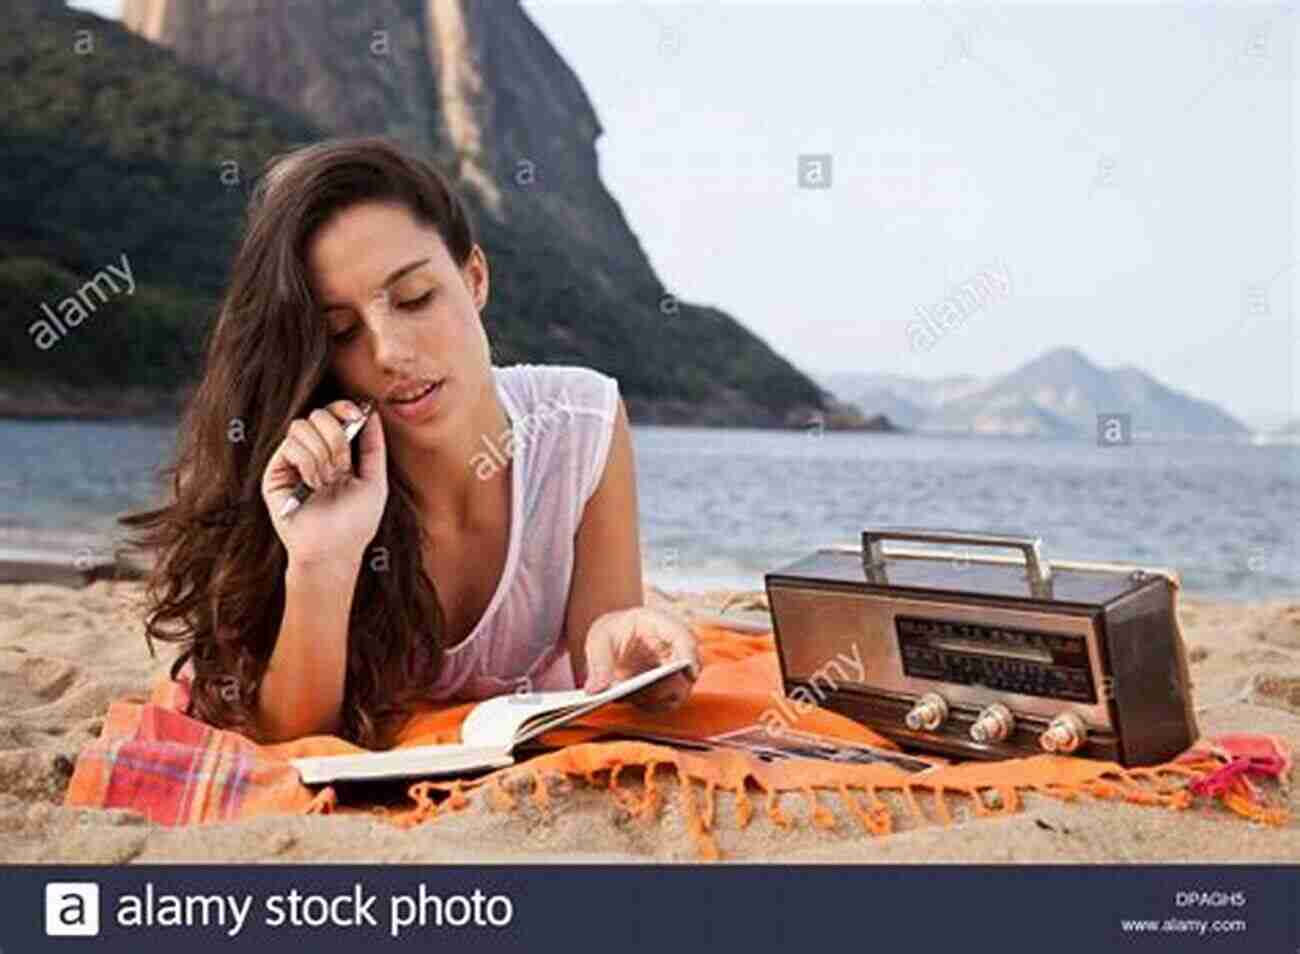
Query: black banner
{"x": 625, "y": 908}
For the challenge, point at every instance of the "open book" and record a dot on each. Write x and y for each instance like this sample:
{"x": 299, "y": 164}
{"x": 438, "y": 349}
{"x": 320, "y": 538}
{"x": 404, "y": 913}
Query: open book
{"x": 489, "y": 734}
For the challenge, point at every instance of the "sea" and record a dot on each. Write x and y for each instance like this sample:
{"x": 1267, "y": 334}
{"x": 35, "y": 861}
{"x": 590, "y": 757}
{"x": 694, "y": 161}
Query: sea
{"x": 719, "y": 508}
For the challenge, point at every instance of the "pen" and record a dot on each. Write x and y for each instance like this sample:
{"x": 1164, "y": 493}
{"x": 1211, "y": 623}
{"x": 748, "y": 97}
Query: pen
{"x": 350, "y": 430}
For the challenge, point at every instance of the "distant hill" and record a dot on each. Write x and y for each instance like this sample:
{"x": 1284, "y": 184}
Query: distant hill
{"x": 1059, "y": 394}
{"x": 1285, "y": 433}
{"x": 119, "y": 149}
{"x": 905, "y": 401}
{"x": 904, "y": 413}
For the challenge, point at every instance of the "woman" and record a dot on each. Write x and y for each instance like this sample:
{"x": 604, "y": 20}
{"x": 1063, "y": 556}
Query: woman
{"x": 485, "y": 540}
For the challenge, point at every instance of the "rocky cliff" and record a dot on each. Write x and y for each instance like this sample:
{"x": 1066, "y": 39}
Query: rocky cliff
{"x": 478, "y": 88}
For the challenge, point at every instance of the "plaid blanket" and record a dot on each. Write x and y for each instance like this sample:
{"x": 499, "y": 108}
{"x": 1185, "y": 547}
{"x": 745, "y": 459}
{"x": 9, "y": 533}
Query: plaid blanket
{"x": 152, "y": 758}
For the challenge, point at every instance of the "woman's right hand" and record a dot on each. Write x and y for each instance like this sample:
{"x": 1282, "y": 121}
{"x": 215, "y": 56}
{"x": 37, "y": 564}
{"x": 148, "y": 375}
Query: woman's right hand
{"x": 342, "y": 515}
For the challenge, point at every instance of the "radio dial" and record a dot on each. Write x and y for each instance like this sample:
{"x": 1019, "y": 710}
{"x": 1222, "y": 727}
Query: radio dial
{"x": 1065, "y": 733}
{"x": 993, "y": 724}
{"x": 930, "y": 712}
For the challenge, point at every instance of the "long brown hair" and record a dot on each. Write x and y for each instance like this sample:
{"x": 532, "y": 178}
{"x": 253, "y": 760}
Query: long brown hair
{"x": 217, "y": 586}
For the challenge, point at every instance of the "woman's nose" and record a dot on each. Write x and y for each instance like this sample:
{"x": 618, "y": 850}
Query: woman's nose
{"x": 394, "y": 339}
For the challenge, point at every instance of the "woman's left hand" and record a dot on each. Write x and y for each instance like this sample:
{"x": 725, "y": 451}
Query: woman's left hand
{"x": 622, "y": 643}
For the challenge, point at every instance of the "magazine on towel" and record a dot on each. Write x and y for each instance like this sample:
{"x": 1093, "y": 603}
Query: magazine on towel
{"x": 489, "y": 734}
{"x": 769, "y": 746}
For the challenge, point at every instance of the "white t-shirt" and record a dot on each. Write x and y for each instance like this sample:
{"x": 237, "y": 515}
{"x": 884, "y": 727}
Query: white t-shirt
{"x": 562, "y": 421}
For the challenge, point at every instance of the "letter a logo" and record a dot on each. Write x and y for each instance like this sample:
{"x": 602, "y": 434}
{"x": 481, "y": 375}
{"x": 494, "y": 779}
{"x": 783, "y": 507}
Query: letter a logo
{"x": 72, "y": 909}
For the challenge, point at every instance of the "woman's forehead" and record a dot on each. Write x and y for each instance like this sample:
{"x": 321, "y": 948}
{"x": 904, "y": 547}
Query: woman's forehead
{"x": 364, "y": 262}
{"x": 374, "y": 228}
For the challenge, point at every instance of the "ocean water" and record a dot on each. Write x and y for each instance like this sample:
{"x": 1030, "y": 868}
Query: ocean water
{"x": 719, "y": 508}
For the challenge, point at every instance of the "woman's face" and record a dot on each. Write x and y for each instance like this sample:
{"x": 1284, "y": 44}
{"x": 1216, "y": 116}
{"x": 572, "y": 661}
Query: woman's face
{"x": 401, "y": 316}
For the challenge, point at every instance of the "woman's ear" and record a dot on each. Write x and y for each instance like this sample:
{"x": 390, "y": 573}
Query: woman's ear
{"x": 476, "y": 276}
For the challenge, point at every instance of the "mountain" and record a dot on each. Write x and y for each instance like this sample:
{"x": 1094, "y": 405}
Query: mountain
{"x": 479, "y": 88}
{"x": 906, "y": 414}
{"x": 117, "y": 151}
{"x": 107, "y": 157}
{"x": 1287, "y": 432}
{"x": 1058, "y": 394}
{"x": 912, "y": 394}
{"x": 1166, "y": 411}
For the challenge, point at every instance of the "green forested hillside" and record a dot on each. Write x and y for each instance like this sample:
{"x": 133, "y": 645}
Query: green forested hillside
{"x": 110, "y": 147}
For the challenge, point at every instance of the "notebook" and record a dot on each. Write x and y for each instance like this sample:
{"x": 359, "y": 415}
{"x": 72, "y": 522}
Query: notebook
{"x": 490, "y": 733}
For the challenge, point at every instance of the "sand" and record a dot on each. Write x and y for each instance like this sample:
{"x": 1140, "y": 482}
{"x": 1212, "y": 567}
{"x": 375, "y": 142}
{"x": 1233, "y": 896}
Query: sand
{"x": 66, "y": 653}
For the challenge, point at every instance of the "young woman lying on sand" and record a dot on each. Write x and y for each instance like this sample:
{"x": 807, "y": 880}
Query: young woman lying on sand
{"x": 421, "y": 573}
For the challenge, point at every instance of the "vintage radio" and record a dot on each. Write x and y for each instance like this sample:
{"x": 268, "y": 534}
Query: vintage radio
{"x": 986, "y": 655}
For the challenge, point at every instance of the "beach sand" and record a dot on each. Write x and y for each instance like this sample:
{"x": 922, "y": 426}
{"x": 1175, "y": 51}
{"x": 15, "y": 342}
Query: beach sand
{"x": 66, "y": 653}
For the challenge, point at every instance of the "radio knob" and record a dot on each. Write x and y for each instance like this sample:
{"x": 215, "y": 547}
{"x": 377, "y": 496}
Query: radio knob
{"x": 1065, "y": 733}
{"x": 930, "y": 712}
{"x": 993, "y": 724}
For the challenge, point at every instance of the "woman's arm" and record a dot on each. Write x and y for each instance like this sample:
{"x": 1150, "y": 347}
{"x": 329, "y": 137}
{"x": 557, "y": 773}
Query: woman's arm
{"x": 607, "y": 549}
{"x": 302, "y": 690}
{"x": 609, "y": 632}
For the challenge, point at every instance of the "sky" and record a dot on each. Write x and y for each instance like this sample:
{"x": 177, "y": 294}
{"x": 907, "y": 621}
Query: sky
{"x": 1127, "y": 168}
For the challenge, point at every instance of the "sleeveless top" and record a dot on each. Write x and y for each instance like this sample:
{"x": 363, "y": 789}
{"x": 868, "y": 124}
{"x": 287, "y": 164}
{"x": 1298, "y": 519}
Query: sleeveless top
{"x": 562, "y": 421}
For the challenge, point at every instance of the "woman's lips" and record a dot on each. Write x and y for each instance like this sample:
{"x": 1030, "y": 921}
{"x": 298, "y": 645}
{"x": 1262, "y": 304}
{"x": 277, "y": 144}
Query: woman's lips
{"x": 421, "y": 408}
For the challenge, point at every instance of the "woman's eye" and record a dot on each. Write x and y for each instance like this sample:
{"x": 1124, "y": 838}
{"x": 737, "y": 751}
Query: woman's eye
{"x": 416, "y": 302}
{"x": 342, "y": 337}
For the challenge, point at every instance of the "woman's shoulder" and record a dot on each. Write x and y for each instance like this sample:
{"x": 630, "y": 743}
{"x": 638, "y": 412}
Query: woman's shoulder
{"x": 560, "y": 388}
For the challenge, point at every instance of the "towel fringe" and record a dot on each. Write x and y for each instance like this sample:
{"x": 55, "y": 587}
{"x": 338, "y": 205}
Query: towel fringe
{"x": 1010, "y": 798}
{"x": 912, "y": 803}
{"x": 625, "y": 798}
{"x": 541, "y": 795}
{"x": 704, "y": 842}
{"x": 499, "y": 797}
{"x": 457, "y": 799}
{"x": 774, "y": 810}
{"x": 324, "y": 803}
{"x": 744, "y": 807}
{"x": 854, "y": 806}
{"x": 1245, "y": 806}
{"x": 650, "y": 802}
{"x": 941, "y": 806}
{"x": 882, "y": 818}
{"x": 709, "y": 786}
{"x": 1171, "y": 785}
{"x": 822, "y": 816}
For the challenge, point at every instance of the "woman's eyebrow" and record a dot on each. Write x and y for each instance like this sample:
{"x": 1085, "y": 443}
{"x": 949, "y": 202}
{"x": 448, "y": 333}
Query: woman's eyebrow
{"x": 398, "y": 273}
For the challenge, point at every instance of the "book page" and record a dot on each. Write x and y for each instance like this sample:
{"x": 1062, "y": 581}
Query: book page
{"x": 505, "y": 721}
{"x": 423, "y": 760}
{"x": 489, "y": 733}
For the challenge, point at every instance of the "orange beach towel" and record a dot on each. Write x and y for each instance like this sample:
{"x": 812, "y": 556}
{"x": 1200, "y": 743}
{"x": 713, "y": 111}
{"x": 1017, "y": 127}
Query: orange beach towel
{"x": 176, "y": 770}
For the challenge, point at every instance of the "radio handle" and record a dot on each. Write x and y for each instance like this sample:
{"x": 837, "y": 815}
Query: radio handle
{"x": 1037, "y": 569}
